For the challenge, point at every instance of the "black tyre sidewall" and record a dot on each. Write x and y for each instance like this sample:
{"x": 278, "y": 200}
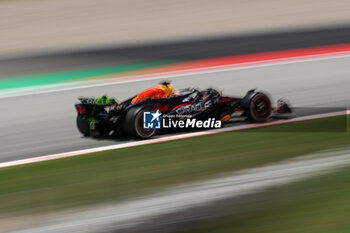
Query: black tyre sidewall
{"x": 131, "y": 125}
{"x": 83, "y": 127}
{"x": 255, "y": 115}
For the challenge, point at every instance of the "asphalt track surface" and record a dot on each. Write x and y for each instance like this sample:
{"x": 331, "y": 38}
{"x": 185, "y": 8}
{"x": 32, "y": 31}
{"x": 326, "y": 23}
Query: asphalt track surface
{"x": 43, "y": 124}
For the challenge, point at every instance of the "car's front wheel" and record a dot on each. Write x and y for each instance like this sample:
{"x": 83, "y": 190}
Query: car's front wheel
{"x": 257, "y": 106}
{"x": 260, "y": 107}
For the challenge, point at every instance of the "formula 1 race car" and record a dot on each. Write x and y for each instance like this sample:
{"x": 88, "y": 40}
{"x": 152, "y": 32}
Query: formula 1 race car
{"x": 105, "y": 116}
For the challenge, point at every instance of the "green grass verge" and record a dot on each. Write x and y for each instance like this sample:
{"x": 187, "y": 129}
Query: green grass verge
{"x": 114, "y": 175}
{"x": 75, "y": 75}
{"x": 318, "y": 205}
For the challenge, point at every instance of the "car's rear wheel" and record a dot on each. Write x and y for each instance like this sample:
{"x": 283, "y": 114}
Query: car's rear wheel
{"x": 133, "y": 125}
{"x": 83, "y": 126}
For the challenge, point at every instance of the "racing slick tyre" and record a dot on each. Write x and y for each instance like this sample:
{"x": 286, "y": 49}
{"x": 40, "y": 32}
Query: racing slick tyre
{"x": 133, "y": 125}
{"x": 259, "y": 108}
{"x": 83, "y": 126}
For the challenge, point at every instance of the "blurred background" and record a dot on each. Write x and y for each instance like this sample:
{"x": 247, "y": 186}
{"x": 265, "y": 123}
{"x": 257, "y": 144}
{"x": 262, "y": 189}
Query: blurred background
{"x": 50, "y": 46}
{"x": 34, "y": 27}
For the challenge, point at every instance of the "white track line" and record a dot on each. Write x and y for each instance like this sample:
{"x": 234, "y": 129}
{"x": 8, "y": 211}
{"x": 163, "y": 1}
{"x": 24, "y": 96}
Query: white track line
{"x": 74, "y": 85}
{"x": 165, "y": 139}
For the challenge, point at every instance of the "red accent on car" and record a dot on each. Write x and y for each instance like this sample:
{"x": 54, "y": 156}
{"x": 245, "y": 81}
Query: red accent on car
{"x": 224, "y": 100}
{"x": 164, "y": 108}
{"x": 80, "y": 109}
{"x": 181, "y": 105}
